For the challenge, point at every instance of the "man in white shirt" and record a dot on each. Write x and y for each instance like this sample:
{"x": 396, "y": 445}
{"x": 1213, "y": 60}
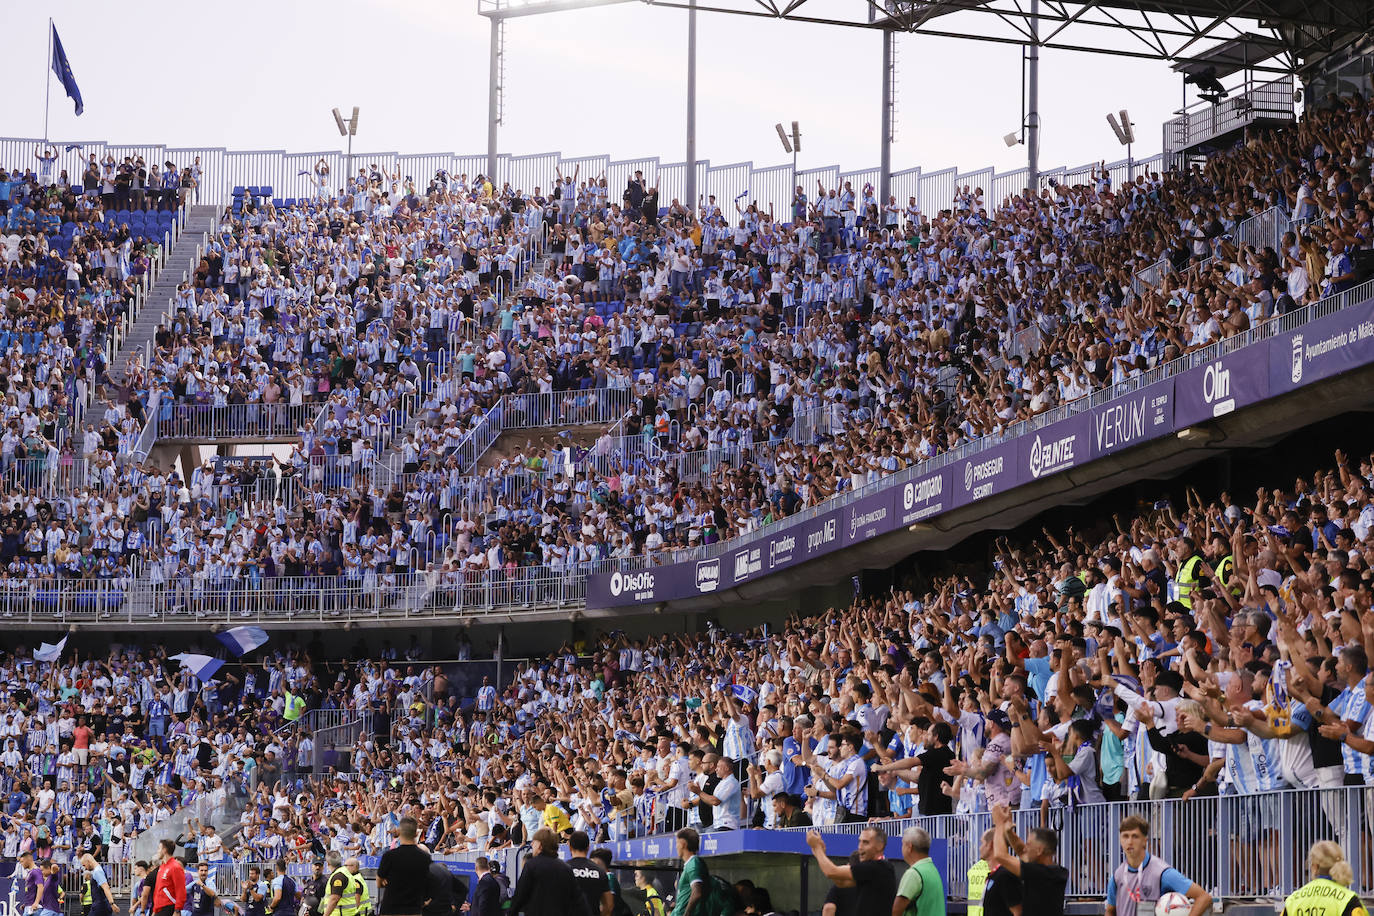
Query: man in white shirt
{"x": 724, "y": 798}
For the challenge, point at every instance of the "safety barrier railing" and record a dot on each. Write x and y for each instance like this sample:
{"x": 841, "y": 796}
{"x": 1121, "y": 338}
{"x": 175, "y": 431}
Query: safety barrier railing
{"x": 1234, "y": 846}
{"x": 575, "y": 407}
{"x": 1204, "y": 121}
{"x": 49, "y": 477}
{"x": 291, "y": 175}
{"x": 1258, "y": 332}
{"x": 205, "y": 422}
{"x": 148, "y": 436}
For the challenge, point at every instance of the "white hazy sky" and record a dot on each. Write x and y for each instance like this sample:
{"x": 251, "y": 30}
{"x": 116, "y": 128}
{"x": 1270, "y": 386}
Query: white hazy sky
{"x": 264, "y": 75}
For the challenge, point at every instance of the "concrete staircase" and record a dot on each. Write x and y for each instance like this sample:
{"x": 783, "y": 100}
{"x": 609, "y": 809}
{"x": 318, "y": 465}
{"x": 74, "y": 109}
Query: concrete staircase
{"x": 181, "y": 264}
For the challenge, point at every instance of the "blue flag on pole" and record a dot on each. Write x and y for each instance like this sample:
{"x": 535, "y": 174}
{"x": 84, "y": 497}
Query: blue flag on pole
{"x": 64, "y": 71}
{"x": 242, "y": 640}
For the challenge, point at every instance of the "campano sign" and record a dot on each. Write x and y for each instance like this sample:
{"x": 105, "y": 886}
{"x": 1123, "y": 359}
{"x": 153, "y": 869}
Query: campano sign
{"x": 923, "y": 498}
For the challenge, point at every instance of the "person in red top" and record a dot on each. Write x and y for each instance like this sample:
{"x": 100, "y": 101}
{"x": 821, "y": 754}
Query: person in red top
{"x": 169, "y": 893}
{"x": 81, "y": 742}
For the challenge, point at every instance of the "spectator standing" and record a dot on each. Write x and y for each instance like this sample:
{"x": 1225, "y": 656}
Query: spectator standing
{"x": 872, "y": 874}
{"x": 547, "y": 886}
{"x": 404, "y": 873}
{"x": 920, "y": 892}
{"x": 1043, "y": 880}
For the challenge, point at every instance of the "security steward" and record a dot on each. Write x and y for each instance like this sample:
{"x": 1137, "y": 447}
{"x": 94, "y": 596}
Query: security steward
{"x": 1189, "y": 571}
{"x": 1224, "y": 564}
{"x": 1328, "y": 893}
{"x": 346, "y": 892}
{"x": 978, "y": 874}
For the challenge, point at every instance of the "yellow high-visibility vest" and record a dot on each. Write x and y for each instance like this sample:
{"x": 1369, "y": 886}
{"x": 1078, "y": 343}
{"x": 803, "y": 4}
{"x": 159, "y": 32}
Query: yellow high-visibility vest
{"x": 977, "y": 882}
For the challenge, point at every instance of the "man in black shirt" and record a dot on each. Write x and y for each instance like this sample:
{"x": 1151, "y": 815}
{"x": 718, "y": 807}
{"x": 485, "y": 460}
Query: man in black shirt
{"x": 440, "y": 896}
{"x": 1043, "y": 881}
{"x": 547, "y": 886}
{"x": 872, "y": 874}
{"x": 403, "y": 874}
{"x": 590, "y": 876}
{"x": 932, "y": 780}
{"x": 1002, "y": 889}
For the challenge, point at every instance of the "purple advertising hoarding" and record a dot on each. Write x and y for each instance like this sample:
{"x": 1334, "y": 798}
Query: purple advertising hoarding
{"x": 1055, "y": 448}
{"x": 989, "y": 472}
{"x": 1137, "y": 418}
{"x": 925, "y": 497}
{"x": 1221, "y": 387}
{"x": 1322, "y": 348}
{"x": 869, "y": 517}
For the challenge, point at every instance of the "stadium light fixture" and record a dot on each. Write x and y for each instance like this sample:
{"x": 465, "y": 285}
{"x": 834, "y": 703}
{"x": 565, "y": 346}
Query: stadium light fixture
{"x": 1125, "y": 135}
{"x": 791, "y": 143}
{"x": 347, "y": 129}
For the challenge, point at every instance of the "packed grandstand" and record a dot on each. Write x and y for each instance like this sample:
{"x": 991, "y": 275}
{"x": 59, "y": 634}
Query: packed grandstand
{"x": 746, "y": 365}
{"x": 738, "y": 367}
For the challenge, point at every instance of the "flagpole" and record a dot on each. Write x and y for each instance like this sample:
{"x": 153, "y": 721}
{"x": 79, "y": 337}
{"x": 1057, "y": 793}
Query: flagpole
{"x": 47, "y": 90}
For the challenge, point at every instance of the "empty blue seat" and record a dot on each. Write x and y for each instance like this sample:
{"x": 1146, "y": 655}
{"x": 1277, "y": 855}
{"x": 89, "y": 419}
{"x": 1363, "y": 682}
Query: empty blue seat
{"x": 238, "y": 190}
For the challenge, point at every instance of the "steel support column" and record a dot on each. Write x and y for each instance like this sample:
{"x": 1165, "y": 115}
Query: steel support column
{"x": 690, "y": 190}
{"x": 885, "y": 153}
{"x": 1033, "y": 101}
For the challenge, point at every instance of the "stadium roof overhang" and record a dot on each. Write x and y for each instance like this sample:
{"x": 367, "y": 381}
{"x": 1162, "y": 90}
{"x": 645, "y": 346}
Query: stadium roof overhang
{"x": 1179, "y": 31}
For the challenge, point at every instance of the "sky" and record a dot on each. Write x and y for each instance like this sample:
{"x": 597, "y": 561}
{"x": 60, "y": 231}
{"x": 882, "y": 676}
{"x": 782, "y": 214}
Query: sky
{"x": 264, "y": 75}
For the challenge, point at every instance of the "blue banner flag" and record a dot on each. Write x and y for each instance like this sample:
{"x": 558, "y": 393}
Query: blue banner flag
{"x": 242, "y": 640}
{"x": 202, "y": 666}
{"x": 64, "y": 71}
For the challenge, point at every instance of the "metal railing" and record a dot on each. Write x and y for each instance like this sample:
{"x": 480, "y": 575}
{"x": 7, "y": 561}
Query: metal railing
{"x": 1120, "y": 390}
{"x": 148, "y": 436}
{"x": 575, "y": 407}
{"x": 204, "y": 422}
{"x": 48, "y": 477}
{"x": 288, "y": 175}
{"x": 1204, "y": 121}
{"x": 1232, "y": 845}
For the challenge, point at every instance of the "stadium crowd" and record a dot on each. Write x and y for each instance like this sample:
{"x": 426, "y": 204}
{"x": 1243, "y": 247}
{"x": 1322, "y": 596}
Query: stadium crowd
{"x": 1216, "y": 647}
{"x": 768, "y": 365}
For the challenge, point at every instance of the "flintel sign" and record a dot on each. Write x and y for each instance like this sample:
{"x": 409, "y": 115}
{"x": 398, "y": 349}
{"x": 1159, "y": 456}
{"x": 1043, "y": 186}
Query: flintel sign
{"x": 1055, "y": 448}
{"x": 1221, "y": 387}
{"x": 1132, "y": 420}
{"x": 926, "y": 496}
